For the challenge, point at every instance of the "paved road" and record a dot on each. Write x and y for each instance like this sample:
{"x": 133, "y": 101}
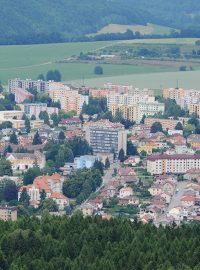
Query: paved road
{"x": 176, "y": 199}
{"x": 109, "y": 173}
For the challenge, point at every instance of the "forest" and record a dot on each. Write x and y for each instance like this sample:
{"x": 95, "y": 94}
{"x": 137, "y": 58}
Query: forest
{"x": 67, "y": 20}
{"x": 78, "y": 243}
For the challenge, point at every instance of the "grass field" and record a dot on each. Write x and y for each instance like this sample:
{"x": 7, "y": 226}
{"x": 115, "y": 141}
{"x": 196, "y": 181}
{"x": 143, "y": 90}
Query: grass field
{"x": 143, "y": 29}
{"x": 31, "y": 60}
{"x": 160, "y": 80}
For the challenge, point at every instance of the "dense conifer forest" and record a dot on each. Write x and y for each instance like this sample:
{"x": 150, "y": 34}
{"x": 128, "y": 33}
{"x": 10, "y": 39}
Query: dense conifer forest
{"x": 86, "y": 244}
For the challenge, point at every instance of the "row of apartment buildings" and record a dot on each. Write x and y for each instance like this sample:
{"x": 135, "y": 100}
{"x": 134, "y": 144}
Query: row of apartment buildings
{"x": 135, "y": 105}
{"x": 187, "y": 99}
{"x": 69, "y": 99}
{"x": 172, "y": 164}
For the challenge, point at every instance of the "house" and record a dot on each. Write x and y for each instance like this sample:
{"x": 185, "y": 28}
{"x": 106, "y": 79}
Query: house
{"x": 126, "y": 171}
{"x": 87, "y": 209}
{"x": 188, "y": 200}
{"x": 148, "y": 147}
{"x": 60, "y": 200}
{"x": 96, "y": 203}
{"x": 23, "y": 161}
{"x": 132, "y": 160}
{"x": 74, "y": 121}
{"x": 169, "y": 187}
{"x": 130, "y": 200}
{"x": 155, "y": 190}
{"x": 194, "y": 141}
{"x": 125, "y": 192}
{"x": 51, "y": 185}
{"x": 8, "y": 213}
{"x": 192, "y": 174}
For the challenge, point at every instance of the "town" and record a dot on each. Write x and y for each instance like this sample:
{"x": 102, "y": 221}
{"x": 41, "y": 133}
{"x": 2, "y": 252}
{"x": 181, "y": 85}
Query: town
{"x": 114, "y": 151}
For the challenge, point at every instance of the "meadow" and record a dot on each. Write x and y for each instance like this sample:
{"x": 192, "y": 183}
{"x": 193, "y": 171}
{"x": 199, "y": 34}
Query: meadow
{"x": 31, "y": 60}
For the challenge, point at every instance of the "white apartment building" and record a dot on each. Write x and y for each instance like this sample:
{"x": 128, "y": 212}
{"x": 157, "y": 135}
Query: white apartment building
{"x": 104, "y": 137}
{"x": 175, "y": 164}
{"x": 41, "y": 86}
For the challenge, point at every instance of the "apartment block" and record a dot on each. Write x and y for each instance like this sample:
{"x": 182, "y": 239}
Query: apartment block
{"x": 166, "y": 123}
{"x": 173, "y": 93}
{"x": 175, "y": 164}
{"x": 40, "y": 86}
{"x": 194, "y": 109}
{"x": 106, "y": 137}
{"x": 137, "y": 111}
{"x": 21, "y": 95}
{"x": 8, "y": 213}
{"x": 36, "y": 108}
{"x": 7, "y": 115}
{"x": 70, "y": 100}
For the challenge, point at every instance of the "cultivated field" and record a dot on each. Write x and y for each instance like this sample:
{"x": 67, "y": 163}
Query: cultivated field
{"x": 160, "y": 80}
{"x": 31, "y": 60}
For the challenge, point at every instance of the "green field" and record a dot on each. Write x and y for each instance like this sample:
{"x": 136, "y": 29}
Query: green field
{"x": 31, "y": 60}
{"x": 143, "y": 29}
{"x": 159, "y": 80}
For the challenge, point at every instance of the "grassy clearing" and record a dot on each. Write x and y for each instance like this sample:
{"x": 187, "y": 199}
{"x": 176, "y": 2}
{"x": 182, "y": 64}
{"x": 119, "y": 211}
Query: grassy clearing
{"x": 143, "y": 29}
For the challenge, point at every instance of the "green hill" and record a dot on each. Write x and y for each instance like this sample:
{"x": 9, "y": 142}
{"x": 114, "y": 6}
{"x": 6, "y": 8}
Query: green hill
{"x": 44, "y": 21}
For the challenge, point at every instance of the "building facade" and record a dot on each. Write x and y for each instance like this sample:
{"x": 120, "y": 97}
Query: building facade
{"x": 40, "y": 86}
{"x": 106, "y": 137}
{"x": 8, "y": 213}
{"x": 175, "y": 164}
{"x": 70, "y": 100}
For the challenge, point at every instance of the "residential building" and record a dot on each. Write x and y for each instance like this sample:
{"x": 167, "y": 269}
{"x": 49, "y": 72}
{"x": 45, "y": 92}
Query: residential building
{"x": 125, "y": 192}
{"x": 51, "y": 185}
{"x": 194, "y": 141}
{"x": 71, "y": 122}
{"x": 36, "y": 108}
{"x": 147, "y": 147}
{"x": 23, "y": 161}
{"x": 173, "y": 93}
{"x": 166, "y": 123}
{"x": 70, "y": 100}
{"x": 21, "y": 95}
{"x": 40, "y": 86}
{"x": 7, "y": 115}
{"x": 194, "y": 109}
{"x": 8, "y": 213}
{"x": 177, "y": 164}
{"x": 136, "y": 111}
{"x": 106, "y": 137}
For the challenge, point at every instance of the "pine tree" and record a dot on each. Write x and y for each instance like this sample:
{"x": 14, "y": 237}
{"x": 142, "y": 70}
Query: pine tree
{"x": 27, "y": 125}
{"x": 13, "y": 138}
{"x": 43, "y": 195}
{"x": 33, "y": 117}
{"x": 24, "y": 198}
{"x": 61, "y": 136}
{"x": 107, "y": 163}
{"x": 37, "y": 140}
{"x": 121, "y": 156}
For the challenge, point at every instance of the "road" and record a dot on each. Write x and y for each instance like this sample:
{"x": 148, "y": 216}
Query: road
{"x": 106, "y": 178}
{"x": 109, "y": 172}
{"x": 176, "y": 199}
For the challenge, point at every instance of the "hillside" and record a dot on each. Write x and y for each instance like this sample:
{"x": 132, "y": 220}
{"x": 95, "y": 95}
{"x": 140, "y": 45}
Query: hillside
{"x": 44, "y": 21}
